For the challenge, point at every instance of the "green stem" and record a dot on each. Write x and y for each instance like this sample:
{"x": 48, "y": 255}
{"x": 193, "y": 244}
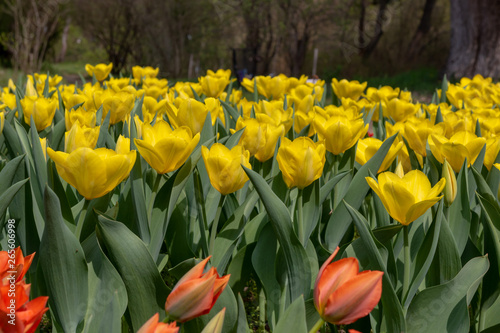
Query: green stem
{"x": 81, "y": 219}
{"x": 317, "y": 326}
{"x": 215, "y": 224}
{"x": 300, "y": 218}
{"x": 153, "y": 195}
{"x": 406, "y": 278}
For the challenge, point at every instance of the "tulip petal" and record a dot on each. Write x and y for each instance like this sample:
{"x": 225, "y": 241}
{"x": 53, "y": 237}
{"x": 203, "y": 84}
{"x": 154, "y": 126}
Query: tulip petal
{"x": 194, "y": 273}
{"x": 355, "y": 298}
{"x": 418, "y": 184}
{"x": 418, "y": 209}
{"x": 191, "y": 299}
{"x": 151, "y": 155}
{"x": 398, "y": 200}
{"x": 332, "y": 277}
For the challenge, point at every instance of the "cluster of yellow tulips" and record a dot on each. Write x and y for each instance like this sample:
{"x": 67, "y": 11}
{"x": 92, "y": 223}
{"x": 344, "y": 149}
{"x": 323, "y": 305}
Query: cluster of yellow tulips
{"x": 121, "y": 181}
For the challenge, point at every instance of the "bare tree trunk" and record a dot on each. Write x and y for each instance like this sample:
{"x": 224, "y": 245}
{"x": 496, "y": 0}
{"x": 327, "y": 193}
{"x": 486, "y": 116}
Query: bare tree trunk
{"x": 475, "y": 38}
{"x": 423, "y": 28}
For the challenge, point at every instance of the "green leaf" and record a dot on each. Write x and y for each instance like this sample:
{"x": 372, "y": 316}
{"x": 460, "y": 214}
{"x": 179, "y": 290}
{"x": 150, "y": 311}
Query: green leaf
{"x": 295, "y": 254}
{"x": 242, "y": 317}
{"x": 424, "y": 256}
{"x": 231, "y": 232}
{"x": 446, "y": 263}
{"x": 459, "y": 211}
{"x": 392, "y": 310}
{"x": 39, "y": 161}
{"x": 9, "y": 194}
{"x": 294, "y": 318}
{"x": 8, "y": 172}
{"x": 264, "y": 261}
{"x": 146, "y": 290}
{"x": 140, "y": 211}
{"x": 491, "y": 282}
{"x": 63, "y": 267}
{"x": 340, "y": 218}
{"x": 443, "y": 308}
{"x": 107, "y": 293}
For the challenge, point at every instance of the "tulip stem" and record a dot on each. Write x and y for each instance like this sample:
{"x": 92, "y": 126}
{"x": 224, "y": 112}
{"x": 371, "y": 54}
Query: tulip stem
{"x": 215, "y": 224}
{"x": 300, "y": 218}
{"x": 406, "y": 278}
{"x": 81, "y": 219}
{"x": 153, "y": 195}
{"x": 317, "y": 326}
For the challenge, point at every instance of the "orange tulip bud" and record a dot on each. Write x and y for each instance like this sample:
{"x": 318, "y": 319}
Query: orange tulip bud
{"x": 195, "y": 293}
{"x": 153, "y": 326}
{"x": 342, "y": 294}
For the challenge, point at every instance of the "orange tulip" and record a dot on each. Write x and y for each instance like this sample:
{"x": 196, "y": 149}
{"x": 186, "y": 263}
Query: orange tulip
{"x": 153, "y": 326}
{"x": 342, "y": 294}
{"x": 195, "y": 293}
{"x": 17, "y": 313}
{"x": 22, "y": 264}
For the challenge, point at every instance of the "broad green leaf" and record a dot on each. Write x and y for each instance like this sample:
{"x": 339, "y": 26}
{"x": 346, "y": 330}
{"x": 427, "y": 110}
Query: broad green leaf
{"x": 146, "y": 290}
{"x": 264, "y": 261}
{"x": 392, "y": 310}
{"x": 459, "y": 211}
{"x": 446, "y": 263}
{"x": 443, "y": 308}
{"x": 294, "y": 318}
{"x": 140, "y": 211}
{"x": 63, "y": 267}
{"x": 491, "y": 282}
{"x": 242, "y": 317}
{"x": 340, "y": 218}
{"x": 9, "y": 194}
{"x": 424, "y": 256}
{"x": 295, "y": 255}
{"x": 107, "y": 293}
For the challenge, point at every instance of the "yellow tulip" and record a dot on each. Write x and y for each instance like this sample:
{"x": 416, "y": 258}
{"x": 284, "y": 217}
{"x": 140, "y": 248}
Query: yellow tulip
{"x": 301, "y": 161}
{"x": 119, "y": 104}
{"x": 166, "y": 150}
{"x": 274, "y": 113}
{"x": 85, "y": 118}
{"x": 224, "y": 167}
{"x": 399, "y": 110}
{"x": 216, "y": 111}
{"x": 213, "y": 86}
{"x": 417, "y": 134}
{"x": 269, "y": 87}
{"x": 2, "y": 121}
{"x": 100, "y": 71}
{"x": 348, "y": 89}
{"x": 122, "y": 145}
{"x": 190, "y": 113}
{"x": 492, "y": 150}
{"x": 382, "y": 94}
{"x": 42, "y": 109}
{"x": 450, "y": 189}
{"x": 43, "y": 143}
{"x": 340, "y": 133}
{"x": 93, "y": 173}
{"x": 80, "y": 136}
{"x": 258, "y": 138}
{"x": 139, "y": 73}
{"x": 460, "y": 146}
{"x": 226, "y": 73}
{"x": 406, "y": 198}
{"x": 368, "y": 147}
{"x": 151, "y": 107}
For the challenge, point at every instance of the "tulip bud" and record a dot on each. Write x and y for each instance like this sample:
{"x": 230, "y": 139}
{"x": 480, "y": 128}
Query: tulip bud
{"x": 216, "y": 323}
{"x": 450, "y": 189}
{"x": 399, "y": 170}
{"x": 342, "y": 294}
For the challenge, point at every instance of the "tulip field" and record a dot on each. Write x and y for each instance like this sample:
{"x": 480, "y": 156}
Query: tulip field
{"x": 277, "y": 204}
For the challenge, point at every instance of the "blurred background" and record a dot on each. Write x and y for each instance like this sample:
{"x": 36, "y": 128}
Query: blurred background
{"x": 407, "y": 43}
